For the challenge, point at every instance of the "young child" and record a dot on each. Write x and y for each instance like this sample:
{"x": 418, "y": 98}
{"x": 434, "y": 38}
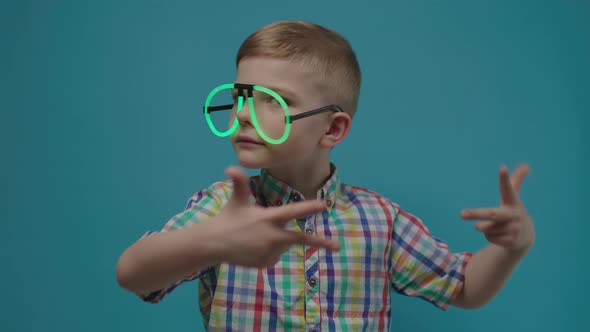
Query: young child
{"x": 296, "y": 248}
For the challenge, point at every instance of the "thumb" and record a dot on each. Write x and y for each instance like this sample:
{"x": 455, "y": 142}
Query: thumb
{"x": 241, "y": 190}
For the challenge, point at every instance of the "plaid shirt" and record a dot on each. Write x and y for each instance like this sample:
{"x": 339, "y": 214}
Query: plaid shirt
{"x": 382, "y": 249}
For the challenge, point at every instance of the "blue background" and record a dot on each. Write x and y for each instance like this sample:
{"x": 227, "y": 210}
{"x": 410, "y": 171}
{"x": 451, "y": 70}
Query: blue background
{"x": 102, "y": 139}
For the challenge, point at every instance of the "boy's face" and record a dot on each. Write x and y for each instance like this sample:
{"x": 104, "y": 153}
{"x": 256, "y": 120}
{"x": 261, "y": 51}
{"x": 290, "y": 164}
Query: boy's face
{"x": 298, "y": 89}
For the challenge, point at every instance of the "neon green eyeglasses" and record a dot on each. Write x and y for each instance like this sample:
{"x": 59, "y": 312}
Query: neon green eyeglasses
{"x": 269, "y": 112}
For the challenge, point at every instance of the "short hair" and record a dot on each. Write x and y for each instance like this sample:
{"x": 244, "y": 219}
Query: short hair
{"x": 315, "y": 47}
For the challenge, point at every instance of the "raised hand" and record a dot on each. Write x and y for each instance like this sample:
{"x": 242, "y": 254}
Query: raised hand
{"x": 508, "y": 225}
{"x": 256, "y": 236}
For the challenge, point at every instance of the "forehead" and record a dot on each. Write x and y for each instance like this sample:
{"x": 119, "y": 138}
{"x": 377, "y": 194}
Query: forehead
{"x": 286, "y": 77}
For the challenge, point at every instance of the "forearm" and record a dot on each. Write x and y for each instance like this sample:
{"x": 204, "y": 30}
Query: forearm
{"x": 486, "y": 273}
{"x": 161, "y": 259}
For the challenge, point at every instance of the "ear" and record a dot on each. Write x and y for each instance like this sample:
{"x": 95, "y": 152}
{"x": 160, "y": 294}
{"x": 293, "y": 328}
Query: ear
{"x": 336, "y": 130}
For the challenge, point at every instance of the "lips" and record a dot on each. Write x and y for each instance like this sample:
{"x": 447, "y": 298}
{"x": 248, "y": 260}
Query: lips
{"x": 246, "y": 139}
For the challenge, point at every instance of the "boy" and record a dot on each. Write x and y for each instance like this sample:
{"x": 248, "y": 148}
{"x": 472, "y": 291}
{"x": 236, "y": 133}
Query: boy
{"x": 295, "y": 248}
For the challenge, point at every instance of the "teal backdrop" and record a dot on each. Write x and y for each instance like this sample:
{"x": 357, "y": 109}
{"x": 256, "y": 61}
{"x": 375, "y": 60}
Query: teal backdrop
{"x": 103, "y": 139}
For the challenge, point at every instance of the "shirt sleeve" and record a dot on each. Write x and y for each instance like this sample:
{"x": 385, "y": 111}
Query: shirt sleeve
{"x": 201, "y": 206}
{"x": 423, "y": 265}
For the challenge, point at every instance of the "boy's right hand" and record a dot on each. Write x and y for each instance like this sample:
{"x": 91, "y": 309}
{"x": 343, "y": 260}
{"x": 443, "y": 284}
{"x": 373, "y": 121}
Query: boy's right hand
{"x": 255, "y": 236}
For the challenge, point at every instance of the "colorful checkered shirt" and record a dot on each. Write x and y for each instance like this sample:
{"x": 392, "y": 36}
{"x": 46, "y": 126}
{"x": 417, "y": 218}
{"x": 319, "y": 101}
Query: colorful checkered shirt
{"x": 382, "y": 249}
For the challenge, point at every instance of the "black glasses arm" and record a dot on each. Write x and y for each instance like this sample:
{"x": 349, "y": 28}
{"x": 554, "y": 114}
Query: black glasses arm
{"x": 218, "y": 108}
{"x": 317, "y": 111}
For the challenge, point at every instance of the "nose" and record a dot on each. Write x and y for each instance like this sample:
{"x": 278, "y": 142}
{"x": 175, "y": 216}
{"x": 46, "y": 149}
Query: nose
{"x": 243, "y": 114}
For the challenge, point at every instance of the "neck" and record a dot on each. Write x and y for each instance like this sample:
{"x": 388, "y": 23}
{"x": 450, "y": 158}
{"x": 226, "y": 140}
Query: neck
{"x": 306, "y": 179}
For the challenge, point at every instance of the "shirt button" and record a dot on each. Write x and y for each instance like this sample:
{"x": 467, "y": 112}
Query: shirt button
{"x": 297, "y": 197}
{"x": 328, "y": 203}
{"x": 309, "y": 231}
{"x": 279, "y": 203}
{"x": 312, "y": 281}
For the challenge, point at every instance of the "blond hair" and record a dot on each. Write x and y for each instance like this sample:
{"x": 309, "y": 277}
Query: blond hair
{"x": 324, "y": 51}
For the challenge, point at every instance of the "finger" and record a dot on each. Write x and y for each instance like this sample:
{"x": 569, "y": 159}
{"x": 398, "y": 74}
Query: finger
{"x": 494, "y": 214}
{"x": 283, "y": 214}
{"x": 484, "y": 225}
{"x": 241, "y": 189}
{"x": 518, "y": 176}
{"x": 491, "y": 228}
{"x": 507, "y": 192}
{"x": 503, "y": 240}
{"x": 312, "y": 241}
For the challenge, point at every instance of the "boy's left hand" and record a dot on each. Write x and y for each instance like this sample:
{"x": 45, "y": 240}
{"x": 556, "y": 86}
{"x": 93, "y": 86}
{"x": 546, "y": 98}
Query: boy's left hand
{"x": 508, "y": 225}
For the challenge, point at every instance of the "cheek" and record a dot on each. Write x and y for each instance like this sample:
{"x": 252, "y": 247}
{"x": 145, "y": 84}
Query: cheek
{"x": 303, "y": 139}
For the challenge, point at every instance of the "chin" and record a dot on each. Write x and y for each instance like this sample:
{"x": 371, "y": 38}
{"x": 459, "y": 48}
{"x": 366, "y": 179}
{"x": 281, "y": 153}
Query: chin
{"x": 250, "y": 165}
{"x": 250, "y": 160}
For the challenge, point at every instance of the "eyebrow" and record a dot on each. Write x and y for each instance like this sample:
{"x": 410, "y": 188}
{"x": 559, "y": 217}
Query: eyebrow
{"x": 283, "y": 92}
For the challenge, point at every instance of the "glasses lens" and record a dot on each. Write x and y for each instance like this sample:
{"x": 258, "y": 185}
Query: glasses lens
{"x": 269, "y": 113}
{"x": 221, "y": 109}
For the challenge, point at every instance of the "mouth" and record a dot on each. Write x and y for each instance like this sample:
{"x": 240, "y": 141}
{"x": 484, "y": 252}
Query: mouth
{"x": 242, "y": 139}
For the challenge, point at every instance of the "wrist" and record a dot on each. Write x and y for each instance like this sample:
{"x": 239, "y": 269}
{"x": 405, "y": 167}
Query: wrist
{"x": 204, "y": 242}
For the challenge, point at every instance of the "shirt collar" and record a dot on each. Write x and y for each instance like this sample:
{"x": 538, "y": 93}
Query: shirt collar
{"x": 274, "y": 192}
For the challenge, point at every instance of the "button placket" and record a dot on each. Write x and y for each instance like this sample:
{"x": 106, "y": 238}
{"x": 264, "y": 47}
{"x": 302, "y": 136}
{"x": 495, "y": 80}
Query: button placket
{"x": 312, "y": 282}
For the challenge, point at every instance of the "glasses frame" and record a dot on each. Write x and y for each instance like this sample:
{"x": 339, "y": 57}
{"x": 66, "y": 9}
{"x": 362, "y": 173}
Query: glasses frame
{"x": 248, "y": 90}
